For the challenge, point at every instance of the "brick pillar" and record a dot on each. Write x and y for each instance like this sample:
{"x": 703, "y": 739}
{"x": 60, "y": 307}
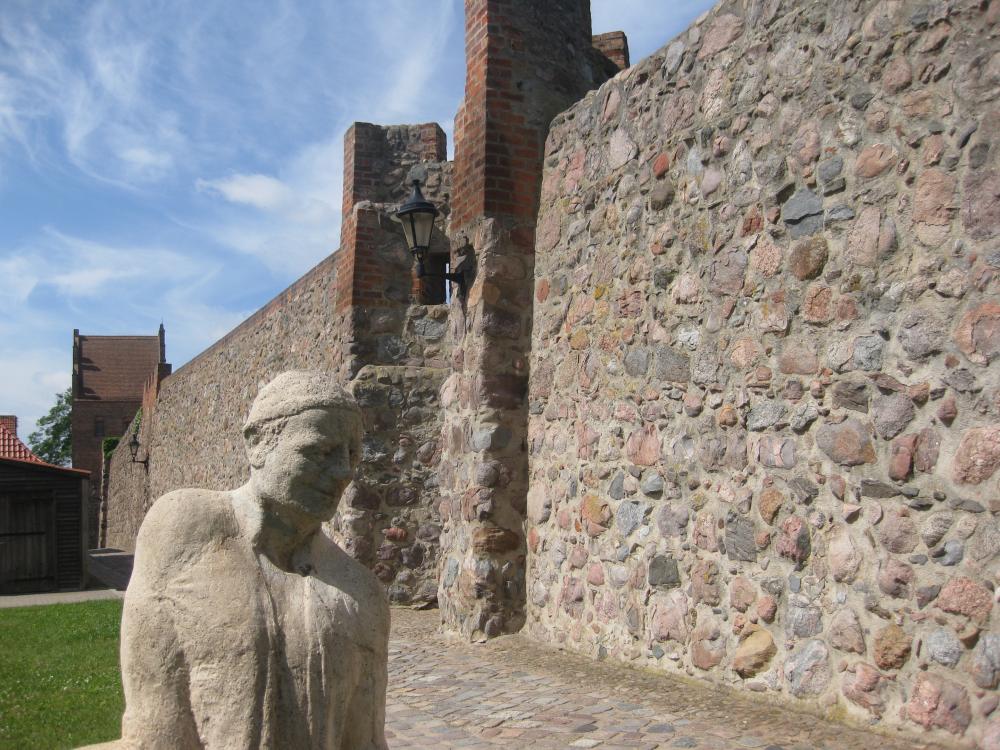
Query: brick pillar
{"x": 526, "y": 62}
{"x": 614, "y": 46}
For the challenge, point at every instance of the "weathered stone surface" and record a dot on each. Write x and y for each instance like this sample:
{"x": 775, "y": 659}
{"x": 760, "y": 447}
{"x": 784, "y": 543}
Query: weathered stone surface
{"x": 494, "y": 540}
{"x": 845, "y": 632}
{"x": 898, "y": 532}
{"x": 891, "y": 414}
{"x": 963, "y": 596}
{"x": 875, "y": 160}
{"x": 847, "y": 443}
{"x": 901, "y": 457}
{"x": 922, "y": 333}
{"x": 939, "y": 703}
{"x": 740, "y": 544}
{"x": 754, "y": 653}
{"x": 770, "y": 503}
{"x": 663, "y": 572}
{"x": 808, "y": 257}
{"x": 803, "y": 213}
{"x": 894, "y": 578}
{"x": 669, "y": 621}
{"x": 705, "y": 583}
{"x": 765, "y": 414}
{"x": 848, "y": 394}
{"x": 943, "y": 646}
{"x": 872, "y": 238}
{"x": 672, "y": 520}
{"x": 798, "y": 358}
{"x": 628, "y": 517}
{"x": 891, "y": 647}
{"x": 793, "y": 542}
{"x": 977, "y": 456}
{"x": 643, "y": 446}
{"x": 807, "y": 670}
{"x": 742, "y": 593}
{"x": 985, "y": 665}
{"x": 708, "y": 645}
{"x": 935, "y": 526}
{"x": 728, "y": 273}
{"x": 927, "y": 450}
{"x": 671, "y": 365}
{"x": 864, "y": 688}
{"x": 843, "y": 556}
{"x": 803, "y": 619}
{"x": 933, "y": 205}
{"x": 725, "y": 29}
{"x": 981, "y": 205}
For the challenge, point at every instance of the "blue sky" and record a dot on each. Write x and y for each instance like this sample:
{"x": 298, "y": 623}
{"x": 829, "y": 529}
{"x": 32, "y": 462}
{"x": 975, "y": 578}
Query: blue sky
{"x": 182, "y": 161}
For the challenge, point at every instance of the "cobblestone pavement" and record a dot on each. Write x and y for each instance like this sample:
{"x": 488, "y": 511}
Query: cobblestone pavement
{"x": 444, "y": 693}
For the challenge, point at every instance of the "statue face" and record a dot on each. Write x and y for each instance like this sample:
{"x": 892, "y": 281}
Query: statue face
{"x": 311, "y": 463}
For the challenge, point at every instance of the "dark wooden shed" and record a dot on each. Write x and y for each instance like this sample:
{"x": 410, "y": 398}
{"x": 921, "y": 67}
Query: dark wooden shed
{"x": 43, "y": 527}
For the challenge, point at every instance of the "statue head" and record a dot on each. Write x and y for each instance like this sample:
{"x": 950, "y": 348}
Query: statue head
{"x": 303, "y": 439}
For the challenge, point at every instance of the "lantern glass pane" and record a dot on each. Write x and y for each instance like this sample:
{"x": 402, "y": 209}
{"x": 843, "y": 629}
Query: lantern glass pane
{"x": 423, "y": 224}
{"x": 408, "y": 231}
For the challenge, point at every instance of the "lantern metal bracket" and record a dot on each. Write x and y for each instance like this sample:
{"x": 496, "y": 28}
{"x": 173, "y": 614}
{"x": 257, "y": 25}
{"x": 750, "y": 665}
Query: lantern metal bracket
{"x": 133, "y": 447}
{"x": 460, "y": 276}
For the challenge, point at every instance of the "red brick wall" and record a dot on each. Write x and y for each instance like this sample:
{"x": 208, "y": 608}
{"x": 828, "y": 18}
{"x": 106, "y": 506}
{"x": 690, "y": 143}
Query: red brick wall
{"x": 614, "y": 46}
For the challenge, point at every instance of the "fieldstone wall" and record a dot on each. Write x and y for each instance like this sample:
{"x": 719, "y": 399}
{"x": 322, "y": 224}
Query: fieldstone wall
{"x": 129, "y": 486}
{"x": 764, "y": 396}
{"x": 389, "y": 517}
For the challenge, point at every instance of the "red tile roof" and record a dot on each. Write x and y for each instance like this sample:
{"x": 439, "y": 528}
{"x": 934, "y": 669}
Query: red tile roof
{"x": 115, "y": 368}
{"x": 12, "y": 447}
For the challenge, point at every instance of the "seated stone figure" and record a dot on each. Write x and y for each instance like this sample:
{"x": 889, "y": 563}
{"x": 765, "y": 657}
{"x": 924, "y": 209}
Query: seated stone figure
{"x": 245, "y": 626}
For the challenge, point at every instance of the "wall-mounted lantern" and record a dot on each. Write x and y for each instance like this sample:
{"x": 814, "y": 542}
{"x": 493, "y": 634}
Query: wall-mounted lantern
{"x": 417, "y": 217}
{"x": 133, "y": 448}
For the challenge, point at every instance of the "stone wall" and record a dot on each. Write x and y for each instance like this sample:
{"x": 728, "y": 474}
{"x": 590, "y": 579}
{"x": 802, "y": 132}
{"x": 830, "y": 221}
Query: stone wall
{"x": 764, "y": 395}
{"x": 127, "y": 497}
{"x": 389, "y": 518}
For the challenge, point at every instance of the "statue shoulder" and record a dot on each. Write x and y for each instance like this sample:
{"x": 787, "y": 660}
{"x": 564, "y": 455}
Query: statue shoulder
{"x": 180, "y": 524}
{"x": 338, "y": 569}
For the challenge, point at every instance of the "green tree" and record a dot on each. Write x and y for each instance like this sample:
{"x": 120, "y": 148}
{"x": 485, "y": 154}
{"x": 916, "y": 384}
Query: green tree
{"x": 51, "y": 442}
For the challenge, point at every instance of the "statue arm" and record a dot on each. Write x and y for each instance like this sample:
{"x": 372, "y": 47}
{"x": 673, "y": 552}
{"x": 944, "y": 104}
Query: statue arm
{"x": 154, "y": 674}
{"x": 367, "y": 714}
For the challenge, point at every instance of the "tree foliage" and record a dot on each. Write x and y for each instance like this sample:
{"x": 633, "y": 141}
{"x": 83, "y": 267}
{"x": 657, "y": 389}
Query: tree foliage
{"x": 51, "y": 442}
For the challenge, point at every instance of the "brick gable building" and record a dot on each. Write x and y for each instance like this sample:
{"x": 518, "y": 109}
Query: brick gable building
{"x": 109, "y": 374}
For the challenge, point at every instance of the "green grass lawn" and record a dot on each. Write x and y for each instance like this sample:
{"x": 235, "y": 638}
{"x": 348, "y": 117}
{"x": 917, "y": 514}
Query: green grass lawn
{"x": 59, "y": 680}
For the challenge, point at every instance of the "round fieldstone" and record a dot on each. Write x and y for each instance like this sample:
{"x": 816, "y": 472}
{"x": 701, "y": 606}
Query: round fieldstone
{"x": 807, "y": 670}
{"x": 944, "y": 647}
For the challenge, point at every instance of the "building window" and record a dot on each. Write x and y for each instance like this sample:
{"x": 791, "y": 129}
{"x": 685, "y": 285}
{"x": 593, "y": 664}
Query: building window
{"x": 99, "y": 426}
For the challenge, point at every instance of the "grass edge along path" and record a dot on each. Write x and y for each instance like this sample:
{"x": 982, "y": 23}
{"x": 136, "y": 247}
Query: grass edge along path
{"x": 60, "y": 685}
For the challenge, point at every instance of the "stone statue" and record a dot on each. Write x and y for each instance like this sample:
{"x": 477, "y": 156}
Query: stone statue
{"x": 245, "y": 626}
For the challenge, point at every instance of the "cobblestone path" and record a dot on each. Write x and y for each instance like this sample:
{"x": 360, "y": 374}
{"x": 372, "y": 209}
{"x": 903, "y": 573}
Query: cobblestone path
{"x": 511, "y": 692}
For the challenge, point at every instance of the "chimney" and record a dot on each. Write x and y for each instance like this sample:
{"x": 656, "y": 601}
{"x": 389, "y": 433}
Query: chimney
{"x": 162, "y": 335}
{"x": 10, "y": 422}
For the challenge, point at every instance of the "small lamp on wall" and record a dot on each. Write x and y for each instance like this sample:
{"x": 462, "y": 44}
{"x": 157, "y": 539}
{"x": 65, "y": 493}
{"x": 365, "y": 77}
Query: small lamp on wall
{"x": 133, "y": 448}
{"x": 417, "y": 216}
